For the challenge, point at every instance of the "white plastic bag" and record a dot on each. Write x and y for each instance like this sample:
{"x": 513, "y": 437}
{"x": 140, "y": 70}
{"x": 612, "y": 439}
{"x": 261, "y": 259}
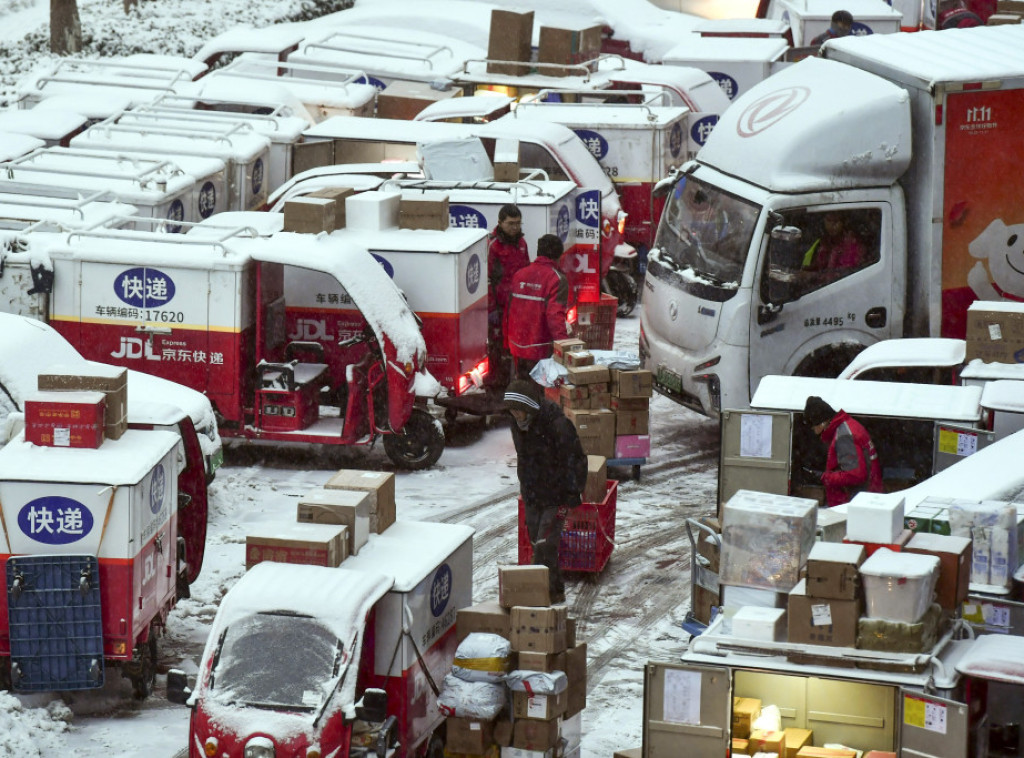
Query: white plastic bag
{"x": 482, "y": 657}
{"x": 770, "y": 719}
{"x": 471, "y": 700}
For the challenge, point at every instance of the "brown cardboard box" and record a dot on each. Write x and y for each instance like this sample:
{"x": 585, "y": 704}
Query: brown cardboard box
{"x": 576, "y": 672}
{"x": 112, "y": 381}
{"x": 809, "y": 751}
{"x": 561, "y": 347}
{"x": 998, "y": 19}
{"x": 506, "y": 171}
{"x": 821, "y": 621}
{"x": 879, "y": 754}
{"x": 599, "y": 398}
{"x": 503, "y": 732}
{"x": 523, "y": 585}
{"x": 380, "y": 485}
{"x": 571, "y": 396}
{"x": 307, "y": 155}
{"x": 510, "y": 39}
{"x": 740, "y": 746}
{"x": 587, "y": 374}
{"x": 567, "y": 46}
{"x": 596, "y": 429}
{"x": 638, "y": 383}
{"x": 489, "y": 617}
{"x": 539, "y": 630}
{"x": 404, "y": 100}
{"x": 312, "y": 544}
{"x": 597, "y": 479}
{"x": 337, "y": 195}
{"x": 543, "y": 707}
{"x": 531, "y": 734}
{"x": 744, "y": 711}
{"x": 995, "y": 332}
{"x": 468, "y": 735}
{"x": 762, "y": 741}
{"x": 794, "y": 739}
{"x": 832, "y": 570}
{"x": 425, "y": 210}
{"x": 617, "y": 403}
{"x": 547, "y": 662}
{"x": 632, "y": 422}
{"x": 578, "y": 358}
{"x": 633, "y": 752}
{"x": 64, "y": 419}
{"x": 348, "y": 507}
{"x": 570, "y": 632}
{"x": 309, "y": 215}
{"x": 955, "y": 555}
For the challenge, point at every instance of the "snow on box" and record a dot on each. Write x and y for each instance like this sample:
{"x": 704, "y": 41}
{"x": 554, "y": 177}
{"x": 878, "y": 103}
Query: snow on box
{"x": 389, "y": 552}
{"x": 14, "y": 144}
{"x": 95, "y": 106}
{"x": 240, "y": 146}
{"x": 1004, "y": 395}
{"x": 18, "y": 211}
{"x": 50, "y": 125}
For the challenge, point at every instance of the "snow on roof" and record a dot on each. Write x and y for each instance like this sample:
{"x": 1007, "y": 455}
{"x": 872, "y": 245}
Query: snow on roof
{"x": 979, "y": 369}
{"x": 602, "y": 115}
{"x": 18, "y": 211}
{"x": 409, "y": 550}
{"x": 124, "y": 461}
{"x": 215, "y": 226}
{"x": 1004, "y": 395}
{"x": 130, "y": 187}
{"x": 214, "y": 88}
{"x": 278, "y": 128}
{"x": 238, "y": 146}
{"x": 1003, "y": 306}
{"x": 129, "y": 164}
{"x": 464, "y": 107}
{"x": 859, "y": 8}
{"x": 911, "y": 351}
{"x": 689, "y": 85}
{"x": 14, "y": 144}
{"x": 742, "y": 23}
{"x": 866, "y": 398}
{"x": 996, "y": 657}
{"x": 819, "y": 143}
{"x": 386, "y": 129}
{"x": 270, "y": 39}
{"x": 451, "y": 240}
{"x": 694, "y": 47}
{"x": 52, "y": 124}
{"x": 92, "y": 105}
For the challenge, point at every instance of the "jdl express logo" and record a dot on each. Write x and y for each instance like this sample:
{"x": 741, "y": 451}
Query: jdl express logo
{"x": 562, "y": 223}
{"x": 701, "y": 129}
{"x": 465, "y": 217}
{"x": 144, "y": 287}
{"x": 729, "y": 85}
{"x": 257, "y": 176}
{"x": 55, "y": 520}
{"x": 440, "y": 589}
{"x": 588, "y": 208}
{"x": 675, "y": 139}
{"x": 473, "y": 273}
{"x": 157, "y": 489}
{"x": 596, "y": 144}
{"x": 385, "y": 265}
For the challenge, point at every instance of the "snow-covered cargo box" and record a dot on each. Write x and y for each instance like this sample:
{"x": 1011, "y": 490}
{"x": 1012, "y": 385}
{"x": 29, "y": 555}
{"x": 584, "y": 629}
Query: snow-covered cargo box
{"x": 19, "y": 210}
{"x": 736, "y": 63}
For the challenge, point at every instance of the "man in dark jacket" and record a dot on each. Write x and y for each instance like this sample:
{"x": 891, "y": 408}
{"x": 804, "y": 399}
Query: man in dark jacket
{"x": 852, "y": 464}
{"x": 537, "y": 305}
{"x": 552, "y": 472}
{"x": 507, "y": 253}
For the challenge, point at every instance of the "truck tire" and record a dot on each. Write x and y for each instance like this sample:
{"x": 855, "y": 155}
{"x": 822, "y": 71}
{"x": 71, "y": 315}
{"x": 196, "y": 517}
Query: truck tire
{"x": 142, "y": 671}
{"x": 419, "y": 445}
{"x": 827, "y": 362}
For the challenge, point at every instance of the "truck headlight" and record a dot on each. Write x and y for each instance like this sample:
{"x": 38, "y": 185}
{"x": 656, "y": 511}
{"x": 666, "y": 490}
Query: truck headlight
{"x": 259, "y": 747}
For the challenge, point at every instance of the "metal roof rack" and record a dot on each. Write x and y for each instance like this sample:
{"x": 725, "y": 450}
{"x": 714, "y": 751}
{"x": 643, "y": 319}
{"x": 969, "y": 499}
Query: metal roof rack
{"x": 432, "y": 49}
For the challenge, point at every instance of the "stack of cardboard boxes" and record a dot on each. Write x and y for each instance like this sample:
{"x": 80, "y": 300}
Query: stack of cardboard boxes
{"x": 77, "y": 407}
{"x": 543, "y": 639}
{"x": 995, "y": 330}
{"x": 825, "y": 606}
{"x": 320, "y": 211}
{"x": 567, "y": 47}
{"x": 509, "y": 44}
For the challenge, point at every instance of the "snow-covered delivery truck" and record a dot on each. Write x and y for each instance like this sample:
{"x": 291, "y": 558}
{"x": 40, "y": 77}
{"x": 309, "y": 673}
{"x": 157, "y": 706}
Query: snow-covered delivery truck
{"x": 871, "y": 194}
{"x": 360, "y": 652}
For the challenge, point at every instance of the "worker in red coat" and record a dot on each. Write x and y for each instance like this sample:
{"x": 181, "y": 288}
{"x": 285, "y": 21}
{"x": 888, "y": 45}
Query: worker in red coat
{"x": 537, "y": 304}
{"x": 507, "y": 254}
{"x": 852, "y": 464}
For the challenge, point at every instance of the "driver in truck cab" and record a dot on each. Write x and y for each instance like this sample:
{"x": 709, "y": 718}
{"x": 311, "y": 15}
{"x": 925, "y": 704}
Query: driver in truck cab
{"x": 837, "y": 250}
{"x": 851, "y": 465}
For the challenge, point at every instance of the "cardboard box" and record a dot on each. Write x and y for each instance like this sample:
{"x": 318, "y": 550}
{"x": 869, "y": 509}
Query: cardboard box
{"x": 540, "y": 630}
{"x": 995, "y": 332}
{"x": 744, "y": 711}
{"x": 510, "y": 39}
{"x": 571, "y": 396}
{"x": 599, "y": 396}
{"x": 381, "y": 487}
{"x": 570, "y": 632}
{"x": 112, "y": 381}
{"x": 754, "y": 623}
{"x": 955, "y": 556}
{"x": 404, "y": 100}
{"x": 503, "y": 732}
{"x": 372, "y": 211}
{"x": 632, "y": 422}
{"x": 632, "y": 445}
{"x": 740, "y": 746}
{"x": 523, "y": 585}
{"x": 568, "y": 47}
{"x": 636, "y": 384}
{"x": 468, "y": 735}
{"x": 576, "y": 672}
{"x": 527, "y": 660}
{"x": 65, "y": 419}
{"x": 544, "y": 707}
{"x": 762, "y": 741}
{"x": 870, "y": 547}
{"x": 532, "y": 734}
{"x": 312, "y": 544}
{"x": 488, "y": 617}
{"x": 337, "y": 195}
{"x": 874, "y": 517}
{"x": 571, "y": 730}
{"x": 307, "y": 155}
{"x": 587, "y": 374}
{"x": 821, "y": 621}
{"x": 597, "y": 479}
{"x": 348, "y": 507}
{"x": 879, "y": 754}
{"x": 424, "y": 210}
{"x": 578, "y": 358}
{"x": 809, "y": 751}
{"x": 633, "y": 752}
{"x": 515, "y": 752}
{"x": 309, "y": 215}
{"x": 560, "y": 347}
{"x": 596, "y": 429}
{"x": 617, "y": 403}
{"x": 832, "y": 570}
{"x": 506, "y": 171}
{"x": 794, "y": 739}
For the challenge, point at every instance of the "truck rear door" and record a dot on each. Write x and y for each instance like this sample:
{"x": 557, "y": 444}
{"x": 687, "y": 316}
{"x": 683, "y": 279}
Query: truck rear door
{"x": 756, "y": 451}
{"x": 686, "y": 711}
{"x": 932, "y": 727}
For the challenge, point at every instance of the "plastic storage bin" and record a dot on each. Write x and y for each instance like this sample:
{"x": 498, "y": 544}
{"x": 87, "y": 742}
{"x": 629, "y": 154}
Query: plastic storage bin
{"x": 588, "y": 536}
{"x": 898, "y": 586}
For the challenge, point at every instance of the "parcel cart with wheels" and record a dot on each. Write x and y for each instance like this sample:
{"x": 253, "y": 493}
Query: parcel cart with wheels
{"x": 705, "y": 597}
{"x": 588, "y": 536}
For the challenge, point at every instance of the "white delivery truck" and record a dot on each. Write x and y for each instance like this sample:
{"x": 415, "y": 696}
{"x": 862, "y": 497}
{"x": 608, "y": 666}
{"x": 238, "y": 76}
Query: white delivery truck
{"x": 736, "y": 63}
{"x": 19, "y": 211}
{"x": 809, "y": 18}
{"x": 885, "y": 139}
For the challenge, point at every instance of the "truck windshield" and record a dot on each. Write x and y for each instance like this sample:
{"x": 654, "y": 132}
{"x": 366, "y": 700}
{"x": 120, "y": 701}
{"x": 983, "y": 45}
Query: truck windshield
{"x": 280, "y": 661}
{"x": 704, "y": 234}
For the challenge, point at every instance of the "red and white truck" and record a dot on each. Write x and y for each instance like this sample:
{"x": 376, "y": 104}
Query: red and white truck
{"x": 359, "y": 652}
{"x": 917, "y": 156}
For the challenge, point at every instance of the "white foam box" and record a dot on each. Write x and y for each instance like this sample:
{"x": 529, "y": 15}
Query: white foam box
{"x": 874, "y": 517}
{"x": 898, "y": 586}
{"x": 373, "y": 211}
{"x": 754, "y": 623}
{"x": 348, "y": 507}
{"x": 734, "y": 598}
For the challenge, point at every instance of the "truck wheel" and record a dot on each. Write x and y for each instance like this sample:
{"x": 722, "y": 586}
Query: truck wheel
{"x": 419, "y": 445}
{"x": 623, "y": 288}
{"x": 143, "y": 667}
{"x": 827, "y": 362}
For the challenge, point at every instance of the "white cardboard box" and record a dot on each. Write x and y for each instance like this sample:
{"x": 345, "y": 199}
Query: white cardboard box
{"x": 874, "y": 517}
{"x": 372, "y": 211}
{"x": 755, "y": 623}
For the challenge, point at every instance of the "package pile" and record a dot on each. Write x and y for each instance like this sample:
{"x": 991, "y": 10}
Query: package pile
{"x": 518, "y": 686}
{"x": 609, "y": 407}
{"x": 509, "y": 44}
{"x": 77, "y": 407}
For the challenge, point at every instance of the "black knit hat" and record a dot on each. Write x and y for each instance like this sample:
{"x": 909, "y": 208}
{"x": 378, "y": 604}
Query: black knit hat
{"x": 817, "y": 411}
{"x": 522, "y": 394}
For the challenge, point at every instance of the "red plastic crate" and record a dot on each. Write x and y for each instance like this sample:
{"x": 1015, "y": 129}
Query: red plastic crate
{"x": 588, "y": 536}
{"x": 595, "y": 322}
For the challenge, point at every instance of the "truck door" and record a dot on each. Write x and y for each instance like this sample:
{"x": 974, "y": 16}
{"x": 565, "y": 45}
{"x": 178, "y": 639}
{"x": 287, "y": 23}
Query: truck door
{"x": 931, "y": 727}
{"x": 756, "y": 451}
{"x": 686, "y": 711}
{"x": 822, "y": 287}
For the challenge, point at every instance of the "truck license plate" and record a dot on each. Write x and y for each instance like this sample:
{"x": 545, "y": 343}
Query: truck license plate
{"x": 669, "y": 379}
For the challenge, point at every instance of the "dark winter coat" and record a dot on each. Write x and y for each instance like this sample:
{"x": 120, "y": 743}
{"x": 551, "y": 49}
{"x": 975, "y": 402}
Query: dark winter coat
{"x": 536, "y": 310}
{"x": 852, "y": 465}
{"x": 552, "y": 465}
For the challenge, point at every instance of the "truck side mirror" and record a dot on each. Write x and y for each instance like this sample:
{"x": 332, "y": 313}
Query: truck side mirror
{"x": 373, "y": 706}
{"x": 178, "y": 690}
{"x": 783, "y": 233}
{"x": 767, "y": 313}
